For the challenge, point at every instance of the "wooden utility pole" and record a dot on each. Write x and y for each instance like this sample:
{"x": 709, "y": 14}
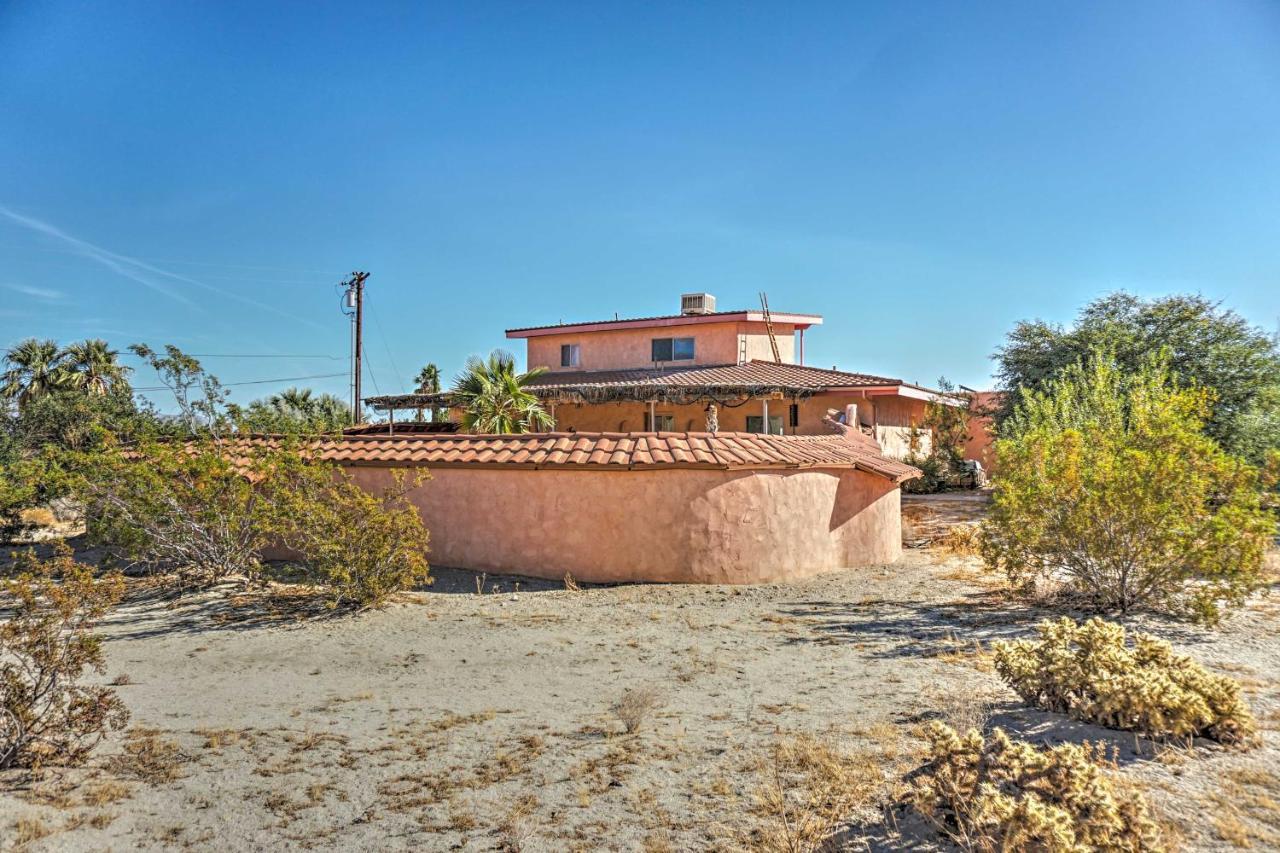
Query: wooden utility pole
{"x": 355, "y": 299}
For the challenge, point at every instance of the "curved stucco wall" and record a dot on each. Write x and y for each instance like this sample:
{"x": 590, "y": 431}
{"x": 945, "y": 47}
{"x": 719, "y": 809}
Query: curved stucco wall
{"x": 674, "y": 525}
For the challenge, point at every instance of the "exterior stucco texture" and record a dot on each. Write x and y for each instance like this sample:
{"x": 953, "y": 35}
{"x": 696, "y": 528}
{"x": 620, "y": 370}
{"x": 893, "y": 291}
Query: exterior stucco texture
{"x": 680, "y": 525}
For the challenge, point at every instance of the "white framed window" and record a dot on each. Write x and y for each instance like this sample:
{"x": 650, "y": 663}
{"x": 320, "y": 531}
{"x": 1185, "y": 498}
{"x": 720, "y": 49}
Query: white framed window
{"x": 673, "y": 349}
{"x": 661, "y": 423}
{"x": 755, "y": 423}
{"x": 570, "y": 355}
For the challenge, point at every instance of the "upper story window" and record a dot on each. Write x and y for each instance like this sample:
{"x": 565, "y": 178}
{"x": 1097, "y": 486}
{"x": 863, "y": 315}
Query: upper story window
{"x": 570, "y": 355}
{"x": 673, "y": 349}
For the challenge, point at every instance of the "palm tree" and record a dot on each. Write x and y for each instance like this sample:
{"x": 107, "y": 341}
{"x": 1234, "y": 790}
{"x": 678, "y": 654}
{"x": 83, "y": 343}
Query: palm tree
{"x": 34, "y": 368}
{"x": 428, "y": 382}
{"x": 292, "y": 401}
{"x": 93, "y": 366}
{"x": 494, "y": 399}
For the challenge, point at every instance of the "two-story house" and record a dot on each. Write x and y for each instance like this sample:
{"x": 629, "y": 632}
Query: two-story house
{"x": 704, "y": 370}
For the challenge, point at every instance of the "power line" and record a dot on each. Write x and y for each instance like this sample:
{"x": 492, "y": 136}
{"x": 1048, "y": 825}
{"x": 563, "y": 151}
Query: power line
{"x": 255, "y": 381}
{"x": 259, "y": 355}
{"x": 387, "y": 346}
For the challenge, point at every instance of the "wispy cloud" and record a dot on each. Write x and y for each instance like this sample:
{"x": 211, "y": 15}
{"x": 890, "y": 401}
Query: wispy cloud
{"x": 44, "y": 294}
{"x": 150, "y": 276}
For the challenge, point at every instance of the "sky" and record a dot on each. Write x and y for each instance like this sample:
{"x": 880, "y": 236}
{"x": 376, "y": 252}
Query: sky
{"x": 922, "y": 174}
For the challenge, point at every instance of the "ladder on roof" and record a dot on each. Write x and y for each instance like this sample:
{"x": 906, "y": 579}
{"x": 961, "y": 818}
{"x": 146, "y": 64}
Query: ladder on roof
{"x": 768, "y": 325}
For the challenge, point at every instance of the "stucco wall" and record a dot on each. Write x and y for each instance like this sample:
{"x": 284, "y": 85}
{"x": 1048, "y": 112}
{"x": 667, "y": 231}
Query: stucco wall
{"x": 671, "y": 525}
{"x": 715, "y": 343}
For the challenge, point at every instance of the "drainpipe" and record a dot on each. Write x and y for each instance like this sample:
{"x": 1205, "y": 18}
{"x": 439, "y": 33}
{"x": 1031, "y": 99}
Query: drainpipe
{"x": 553, "y": 415}
{"x": 653, "y": 416}
{"x": 801, "y": 362}
{"x": 764, "y": 404}
{"x": 391, "y": 426}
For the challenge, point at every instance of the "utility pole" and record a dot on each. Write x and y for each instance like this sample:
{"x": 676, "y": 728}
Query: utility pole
{"x": 354, "y": 300}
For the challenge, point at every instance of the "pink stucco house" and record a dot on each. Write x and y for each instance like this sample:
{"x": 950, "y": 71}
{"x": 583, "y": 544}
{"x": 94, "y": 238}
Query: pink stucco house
{"x": 672, "y": 372}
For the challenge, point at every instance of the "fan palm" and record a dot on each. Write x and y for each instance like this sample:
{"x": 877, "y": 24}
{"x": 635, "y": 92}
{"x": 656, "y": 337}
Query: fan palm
{"x": 428, "y": 382}
{"x": 94, "y": 367}
{"x": 34, "y": 368}
{"x": 494, "y": 399}
{"x": 293, "y": 401}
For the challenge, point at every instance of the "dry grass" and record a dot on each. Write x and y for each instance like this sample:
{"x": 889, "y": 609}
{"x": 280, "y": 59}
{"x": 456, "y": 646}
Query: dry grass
{"x": 635, "y": 706}
{"x": 1246, "y": 808}
{"x": 27, "y": 830}
{"x": 147, "y": 757}
{"x": 570, "y": 584}
{"x": 105, "y": 791}
{"x": 806, "y": 790}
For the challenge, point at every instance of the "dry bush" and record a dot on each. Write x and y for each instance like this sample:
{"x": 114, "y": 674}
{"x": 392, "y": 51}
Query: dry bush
{"x": 46, "y": 716}
{"x": 1091, "y": 673}
{"x": 807, "y": 789}
{"x": 999, "y": 794}
{"x": 635, "y": 706}
{"x": 962, "y": 540}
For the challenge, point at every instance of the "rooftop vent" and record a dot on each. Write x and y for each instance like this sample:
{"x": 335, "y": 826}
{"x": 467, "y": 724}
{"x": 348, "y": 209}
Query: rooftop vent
{"x": 697, "y": 303}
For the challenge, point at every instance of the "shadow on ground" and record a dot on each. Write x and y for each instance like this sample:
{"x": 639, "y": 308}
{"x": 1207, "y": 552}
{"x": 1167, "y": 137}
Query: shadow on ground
{"x": 913, "y": 628}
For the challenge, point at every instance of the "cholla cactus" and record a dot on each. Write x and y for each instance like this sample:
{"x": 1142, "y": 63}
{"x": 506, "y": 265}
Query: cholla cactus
{"x": 1090, "y": 672}
{"x": 999, "y": 794}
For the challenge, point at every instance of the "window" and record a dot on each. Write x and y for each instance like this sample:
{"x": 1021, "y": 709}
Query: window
{"x": 570, "y": 355}
{"x": 673, "y": 349}
{"x": 662, "y": 423}
{"x": 755, "y": 423}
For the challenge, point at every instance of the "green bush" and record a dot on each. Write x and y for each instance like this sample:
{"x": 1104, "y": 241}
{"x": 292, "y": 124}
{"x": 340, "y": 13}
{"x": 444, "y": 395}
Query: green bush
{"x": 1109, "y": 488}
{"x": 191, "y": 508}
{"x": 363, "y": 546}
{"x": 1090, "y": 672}
{"x": 1000, "y": 794}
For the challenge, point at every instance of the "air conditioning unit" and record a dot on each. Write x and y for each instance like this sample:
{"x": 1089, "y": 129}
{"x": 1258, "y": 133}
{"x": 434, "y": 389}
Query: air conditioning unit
{"x": 697, "y": 303}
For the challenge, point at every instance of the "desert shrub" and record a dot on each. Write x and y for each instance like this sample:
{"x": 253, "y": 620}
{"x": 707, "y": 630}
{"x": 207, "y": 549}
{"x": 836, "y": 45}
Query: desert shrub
{"x": 634, "y": 707}
{"x": 362, "y": 545}
{"x": 46, "y": 644}
{"x": 1090, "y": 672}
{"x": 1109, "y": 487}
{"x": 187, "y": 507}
{"x": 998, "y": 794}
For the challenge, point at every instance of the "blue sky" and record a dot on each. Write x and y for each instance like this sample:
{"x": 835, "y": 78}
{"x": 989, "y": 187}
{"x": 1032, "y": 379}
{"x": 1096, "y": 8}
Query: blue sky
{"x": 923, "y": 174}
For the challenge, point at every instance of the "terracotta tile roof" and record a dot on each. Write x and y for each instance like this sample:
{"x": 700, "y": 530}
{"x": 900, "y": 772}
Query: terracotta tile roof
{"x": 605, "y": 451}
{"x": 751, "y": 374}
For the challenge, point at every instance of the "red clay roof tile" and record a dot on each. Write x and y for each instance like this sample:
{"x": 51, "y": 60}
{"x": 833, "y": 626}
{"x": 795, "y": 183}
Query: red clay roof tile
{"x": 607, "y": 451}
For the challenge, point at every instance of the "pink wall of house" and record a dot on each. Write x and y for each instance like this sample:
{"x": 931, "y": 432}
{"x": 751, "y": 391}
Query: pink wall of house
{"x": 614, "y": 349}
{"x": 682, "y": 525}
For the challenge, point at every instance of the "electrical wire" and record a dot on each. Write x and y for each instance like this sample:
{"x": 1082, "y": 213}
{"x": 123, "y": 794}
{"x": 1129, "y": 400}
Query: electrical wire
{"x": 261, "y": 355}
{"x": 386, "y": 346}
{"x": 254, "y": 381}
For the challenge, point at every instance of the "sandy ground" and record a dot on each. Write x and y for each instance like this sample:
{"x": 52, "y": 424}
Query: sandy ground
{"x": 453, "y": 720}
